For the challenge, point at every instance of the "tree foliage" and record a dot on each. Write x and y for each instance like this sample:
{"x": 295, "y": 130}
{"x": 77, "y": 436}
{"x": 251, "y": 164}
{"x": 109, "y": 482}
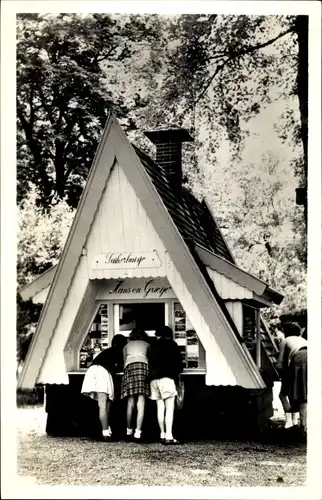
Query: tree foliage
{"x": 64, "y": 95}
{"x": 219, "y": 72}
{"x": 226, "y": 69}
{"x": 255, "y": 209}
{"x": 41, "y": 236}
{"x": 27, "y": 317}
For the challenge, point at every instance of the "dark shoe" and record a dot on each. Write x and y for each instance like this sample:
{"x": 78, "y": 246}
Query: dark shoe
{"x": 171, "y": 441}
{"x": 137, "y": 438}
{"x": 106, "y": 439}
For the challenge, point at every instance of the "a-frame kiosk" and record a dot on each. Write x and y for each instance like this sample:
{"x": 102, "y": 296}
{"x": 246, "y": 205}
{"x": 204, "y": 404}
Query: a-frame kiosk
{"x": 142, "y": 246}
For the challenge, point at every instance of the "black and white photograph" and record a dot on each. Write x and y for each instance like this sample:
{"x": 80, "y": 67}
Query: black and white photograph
{"x": 164, "y": 307}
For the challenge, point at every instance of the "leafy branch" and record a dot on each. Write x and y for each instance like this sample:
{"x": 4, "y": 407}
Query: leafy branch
{"x": 231, "y": 56}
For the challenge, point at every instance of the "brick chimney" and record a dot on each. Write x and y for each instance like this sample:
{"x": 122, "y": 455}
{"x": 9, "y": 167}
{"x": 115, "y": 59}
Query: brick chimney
{"x": 168, "y": 144}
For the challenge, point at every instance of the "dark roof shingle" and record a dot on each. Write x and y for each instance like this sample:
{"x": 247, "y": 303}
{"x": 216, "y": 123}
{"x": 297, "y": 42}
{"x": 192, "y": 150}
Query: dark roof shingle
{"x": 192, "y": 217}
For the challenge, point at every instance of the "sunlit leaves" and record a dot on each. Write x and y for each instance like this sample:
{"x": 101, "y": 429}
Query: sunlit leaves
{"x": 64, "y": 94}
{"x": 224, "y": 66}
{"x": 254, "y": 205}
{"x": 41, "y": 235}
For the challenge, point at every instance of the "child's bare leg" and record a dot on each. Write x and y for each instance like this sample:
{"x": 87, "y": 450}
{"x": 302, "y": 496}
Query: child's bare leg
{"x": 140, "y": 411}
{"x": 160, "y": 414}
{"x": 287, "y": 410}
{"x": 169, "y": 411}
{"x": 303, "y": 416}
{"x": 129, "y": 413}
{"x": 104, "y": 405}
{"x": 140, "y": 405}
{"x": 285, "y": 402}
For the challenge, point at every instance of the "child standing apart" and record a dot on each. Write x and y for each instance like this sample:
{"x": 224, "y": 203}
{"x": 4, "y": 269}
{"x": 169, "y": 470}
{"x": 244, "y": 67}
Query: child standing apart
{"x": 98, "y": 381}
{"x": 135, "y": 382}
{"x": 292, "y": 364}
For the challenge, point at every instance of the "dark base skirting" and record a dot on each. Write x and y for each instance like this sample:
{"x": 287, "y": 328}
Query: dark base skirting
{"x": 69, "y": 413}
{"x": 208, "y": 412}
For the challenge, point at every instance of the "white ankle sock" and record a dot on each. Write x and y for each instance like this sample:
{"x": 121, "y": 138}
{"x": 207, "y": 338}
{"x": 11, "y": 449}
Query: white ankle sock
{"x": 107, "y": 432}
{"x": 289, "y": 422}
{"x": 129, "y": 432}
{"x": 137, "y": 433}
{"x": 169, "y": 436}
{"x": 162, "y": 435}
{"x": 295, "y": 418}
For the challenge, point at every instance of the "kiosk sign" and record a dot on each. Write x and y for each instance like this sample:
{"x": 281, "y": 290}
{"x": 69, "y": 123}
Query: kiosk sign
{"x": 136, "y": 288}
{"x": 126, "y": 260}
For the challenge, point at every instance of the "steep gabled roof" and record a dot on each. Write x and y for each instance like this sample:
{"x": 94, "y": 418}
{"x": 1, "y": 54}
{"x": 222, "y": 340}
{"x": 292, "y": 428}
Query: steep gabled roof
{"x": 192, "y": 217}
{"x": 180, "y": 224}
{"x": 199, "y": 229}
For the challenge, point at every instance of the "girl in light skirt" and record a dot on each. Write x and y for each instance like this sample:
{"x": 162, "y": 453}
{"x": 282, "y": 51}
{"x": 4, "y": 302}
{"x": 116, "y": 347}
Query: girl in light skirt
{"x": 98, "y": 381}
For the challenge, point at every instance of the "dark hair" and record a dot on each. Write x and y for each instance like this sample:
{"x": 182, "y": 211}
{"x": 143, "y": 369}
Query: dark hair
{"x": 119, "y": 341}
{"x": 138, "y": 334}
{"x": 164, "y": 331}
{"x": 292, "y": 328}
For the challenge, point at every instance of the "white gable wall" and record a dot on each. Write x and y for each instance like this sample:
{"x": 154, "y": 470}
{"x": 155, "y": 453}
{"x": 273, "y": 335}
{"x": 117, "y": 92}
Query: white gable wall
{"x": 53, "y": 370}
{"x": 227, "y": 288}
{"x": 120, "y": 225}
{"x": 235, "y": 309}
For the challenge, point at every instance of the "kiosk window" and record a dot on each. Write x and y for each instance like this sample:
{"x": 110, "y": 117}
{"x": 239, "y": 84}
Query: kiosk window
{"x": 147, "y": 316}
{"x": 97, "y": 337}
{"x": 192, "y": 351}
{"x": 249, "y": 326}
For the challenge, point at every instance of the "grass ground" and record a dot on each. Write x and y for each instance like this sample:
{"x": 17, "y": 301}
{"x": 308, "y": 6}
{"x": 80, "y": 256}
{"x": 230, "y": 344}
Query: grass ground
{"x": 76, "y": 461}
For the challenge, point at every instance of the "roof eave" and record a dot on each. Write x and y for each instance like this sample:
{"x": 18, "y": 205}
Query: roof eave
{"x": 42, "y": 281}
{"x": 273, "y": 295}
{"x": 243, "y": 278}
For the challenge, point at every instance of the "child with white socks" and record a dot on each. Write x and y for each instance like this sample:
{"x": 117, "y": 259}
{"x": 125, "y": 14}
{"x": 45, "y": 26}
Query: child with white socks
{"x": 292, "y": 364}
{"x": 135, "y": 381}
{"x": 165, "y": 367}
{"x": 98, "y": 381}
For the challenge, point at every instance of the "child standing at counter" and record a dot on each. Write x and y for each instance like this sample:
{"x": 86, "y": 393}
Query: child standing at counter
{"x": 135, "y": 382}
{"x": 98, "y": 381}
{"x": 166, "y": 366}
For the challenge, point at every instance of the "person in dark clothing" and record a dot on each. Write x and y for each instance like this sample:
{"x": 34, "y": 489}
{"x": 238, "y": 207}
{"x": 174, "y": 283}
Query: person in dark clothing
{"x": 98, "y": 381}
{"x": 165, "y": 367}
{"x": 292, "y": 365}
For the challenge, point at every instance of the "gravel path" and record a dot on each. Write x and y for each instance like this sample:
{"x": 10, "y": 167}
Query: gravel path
{"x": 75, "y": 461}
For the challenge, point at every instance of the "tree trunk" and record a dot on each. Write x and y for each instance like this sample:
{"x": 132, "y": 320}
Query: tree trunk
{"x": 301, "y": 29}
{"x": 38, "y": 168}
{"x": 60, "y": 169}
